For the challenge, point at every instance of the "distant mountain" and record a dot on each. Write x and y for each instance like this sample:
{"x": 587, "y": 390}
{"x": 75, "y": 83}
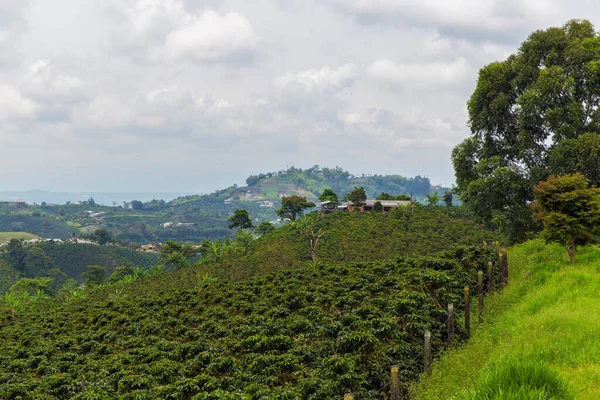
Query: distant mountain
{"x": 106, "y": 198}
{"x": 194, "y": 218}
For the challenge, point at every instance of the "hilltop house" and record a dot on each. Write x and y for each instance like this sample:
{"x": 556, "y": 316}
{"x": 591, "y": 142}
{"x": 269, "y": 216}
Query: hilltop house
{"x": 386, "y": 206}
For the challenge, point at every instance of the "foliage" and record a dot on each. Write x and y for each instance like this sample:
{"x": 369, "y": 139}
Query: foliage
{"x": 73, "y": 259}
{"x": 39, "y": 226}
{"x": 448, "y": 197}
{"x": 293, "y": 207}
{"x": 244, "y": 239}
{"x": 95, "y": 275}
{"x": 31, "y": 286}
{"x": 240, "y": 219}
{"x": 176, "y": 255}
{"x": 433, "y": 198}
{"x": 357, "y": 197}
{"x": 387, "y": 196}
{"x": 265, "y": 228}
{"x": 102, "y": 237}
{"x": 377, "y": 206}
{"x": 312, "y": 333}
{"x": 328, "y": 195}
{"x": 568, "y": 209}
{"x": 521, "y": 111}
{"x": 357, "y": 237}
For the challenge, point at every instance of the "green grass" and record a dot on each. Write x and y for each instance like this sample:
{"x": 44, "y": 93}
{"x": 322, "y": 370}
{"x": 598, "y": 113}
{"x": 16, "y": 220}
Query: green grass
{"x": 6, "y": 236}
{"x": 548, "y": 314}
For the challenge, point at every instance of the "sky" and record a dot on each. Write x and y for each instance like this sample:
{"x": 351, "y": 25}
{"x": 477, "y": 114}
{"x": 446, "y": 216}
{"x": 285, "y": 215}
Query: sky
{"x": 195, "y": 95}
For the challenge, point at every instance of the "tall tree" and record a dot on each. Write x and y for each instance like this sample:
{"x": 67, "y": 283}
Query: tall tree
{"x": 448, "y": 199}
{"x": 569, "y": 210}
{"x": 293, "y": 207}
{"x": 95, "y": 275}
{"x": 244, "y": 239}
{"x": 522, "y": 108}
{"x": 16, "y": 254}
{"x": 328, "y": 195}
{"x": 357, "y": 197}
{"x": 240, "y": 219}
{"x": 265, "y": 228}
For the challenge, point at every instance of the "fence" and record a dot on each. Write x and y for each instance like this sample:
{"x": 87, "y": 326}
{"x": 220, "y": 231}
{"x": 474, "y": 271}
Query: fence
{"x": 395, "y": 392}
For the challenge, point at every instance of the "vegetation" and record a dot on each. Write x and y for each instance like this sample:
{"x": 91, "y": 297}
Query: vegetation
{"x": 240, "y": 219}
{"x": 313, "y": 333}
{"x": 357, "y": 237}
{"x": 293, "y": 207}
{"x": 8, "y": 236}
{"x": 357, "y": 197}
{"x": 569, "y": 210}
{"x": 64, "y": 261}
{"x": 198, "y": 217}
{"x": 541, "y": 317}
{"x": 528, "y": 116}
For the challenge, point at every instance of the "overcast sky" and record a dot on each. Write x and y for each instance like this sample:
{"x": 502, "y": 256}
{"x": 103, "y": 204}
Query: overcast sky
{"x": 194, "y": 95}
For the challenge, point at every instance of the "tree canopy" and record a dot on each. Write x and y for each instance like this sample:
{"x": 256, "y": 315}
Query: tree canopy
{"x": 358, "y": 196}
{"x": 569, "y": 210}
{"x": 240, "y": 219}
{"x": 293, "y": 206}
{"x": 523, "y": 110}
{"x": 328, "y": 195}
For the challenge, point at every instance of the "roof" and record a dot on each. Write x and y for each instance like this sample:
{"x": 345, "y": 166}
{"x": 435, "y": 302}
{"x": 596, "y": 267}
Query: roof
{"x": 388, "y": 203}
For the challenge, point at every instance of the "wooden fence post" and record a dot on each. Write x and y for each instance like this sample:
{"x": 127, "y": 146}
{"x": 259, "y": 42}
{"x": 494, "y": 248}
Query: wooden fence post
{"x": 504, "y": 265}
{"x": 427, "y": 356}
{"x": 450, "y": 323}
{"x": 348, "y": 396}
{"x": 490, "y": 277}
{"x": 467, "y": 312}
{"x": 395, "y": 384}
{"x": 480, "y": 294}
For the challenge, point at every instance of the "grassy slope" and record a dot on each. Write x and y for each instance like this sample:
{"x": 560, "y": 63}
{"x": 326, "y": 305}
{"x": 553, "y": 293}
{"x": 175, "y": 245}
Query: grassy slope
{"x": 549, "y": 312}
{"x": 6, "y": 236}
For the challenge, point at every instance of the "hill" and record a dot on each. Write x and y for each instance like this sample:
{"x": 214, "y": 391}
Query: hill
{"x": 30, "y": 220}
{"x": 199, "y": 217}
{"x": 548, "y": 315}
{"x": 359, "y": 237}
{"x": 249, "y": 326}
{"x": 7, "y": 236}
{"x": 313, "y": 333}
{"x": 71, "y": 260}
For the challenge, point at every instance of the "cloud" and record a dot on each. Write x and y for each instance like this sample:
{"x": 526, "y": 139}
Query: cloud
{"x": 44, "y": 82}
{"x": 158, "y": 31}
{"x": 12, "y": 26}
{"x": 430, "y": 75}
{"x": 211, "y": 37}
{"x": 476, "y": 20}
{"x": 323, "y": 79}
{"x": 14, "y": 106}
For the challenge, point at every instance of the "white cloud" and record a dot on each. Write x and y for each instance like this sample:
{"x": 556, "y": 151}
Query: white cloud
{"x": 430, "y": 75}
{"x": 473, "y": 19}
{"x": 13, "y": 105}
{"x": 44, "y": 82}
{"x": 165, "y": 31}
{"x": 210, "y": 37}
{"x": 322, "y": 79}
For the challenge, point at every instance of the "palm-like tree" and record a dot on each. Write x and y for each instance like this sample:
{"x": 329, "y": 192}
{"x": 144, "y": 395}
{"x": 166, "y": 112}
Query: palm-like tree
{"x": 243, "y": 239}
{"x": 433, "y": 198}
